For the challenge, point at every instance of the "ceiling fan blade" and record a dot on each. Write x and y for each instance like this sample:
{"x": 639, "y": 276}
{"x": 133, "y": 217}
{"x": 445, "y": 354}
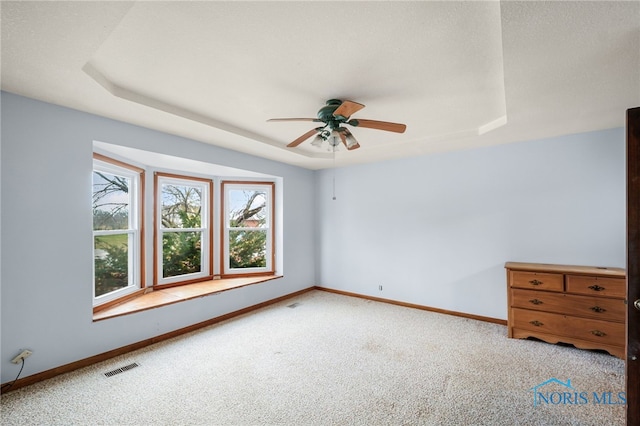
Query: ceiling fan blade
{"x": 347, "y": 108}
{"x": 302, "y": 138}
{"x": 379, "y": 125}
{"x": 293, "y": 119}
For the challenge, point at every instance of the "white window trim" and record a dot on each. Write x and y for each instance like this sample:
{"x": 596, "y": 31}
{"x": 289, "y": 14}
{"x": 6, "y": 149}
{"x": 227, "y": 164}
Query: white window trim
{"x": 268, "y": 187}
{"x": 134, "y": 248}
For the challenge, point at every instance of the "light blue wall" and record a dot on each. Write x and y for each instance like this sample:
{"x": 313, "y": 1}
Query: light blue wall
{"x": 437, "y": 230}
{"x": 46, "y": 270}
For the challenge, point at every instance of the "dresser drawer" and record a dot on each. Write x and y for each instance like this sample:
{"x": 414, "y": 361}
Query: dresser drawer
{"x": 604, "y": 332}
{"x": 537, "y": 280}
{"x": 569, "y": 304}
{"x": 597, "y": 286}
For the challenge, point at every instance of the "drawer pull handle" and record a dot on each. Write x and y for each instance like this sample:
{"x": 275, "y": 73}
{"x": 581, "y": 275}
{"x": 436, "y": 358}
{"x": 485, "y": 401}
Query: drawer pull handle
{"x": 535, "y": 282}
{"x": 596, "y": 287}
{"x": 598, "y": 333}
{"x": 597, "y": 309}
{"x": 536, "y": 301}
{"x": 538, "y": 323}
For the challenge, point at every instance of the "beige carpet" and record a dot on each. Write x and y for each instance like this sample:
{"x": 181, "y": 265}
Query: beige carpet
{"x": 333, "y": 360}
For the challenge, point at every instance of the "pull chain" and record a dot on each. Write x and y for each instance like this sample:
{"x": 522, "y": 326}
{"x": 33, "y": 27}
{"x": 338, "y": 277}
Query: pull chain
{"x": 334, "y": 172}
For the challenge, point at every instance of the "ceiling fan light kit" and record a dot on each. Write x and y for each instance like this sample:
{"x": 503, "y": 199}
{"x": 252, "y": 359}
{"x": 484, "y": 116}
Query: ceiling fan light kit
{"x": 334, "y": 115}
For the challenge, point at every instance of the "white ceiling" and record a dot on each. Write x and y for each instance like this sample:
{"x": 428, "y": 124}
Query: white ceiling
{"x": 458, "y": 74}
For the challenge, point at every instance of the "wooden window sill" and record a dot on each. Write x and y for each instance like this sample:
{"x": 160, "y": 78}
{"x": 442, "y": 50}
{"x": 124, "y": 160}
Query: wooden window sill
{"x": 168, "y": 296}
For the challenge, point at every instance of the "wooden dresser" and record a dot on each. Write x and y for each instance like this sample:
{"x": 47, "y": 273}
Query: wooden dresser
{"x": 581, "y": 305}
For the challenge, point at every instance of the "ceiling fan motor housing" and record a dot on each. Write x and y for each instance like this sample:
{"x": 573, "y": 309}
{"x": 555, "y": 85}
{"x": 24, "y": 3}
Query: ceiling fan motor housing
{"x": 326, "y": 113}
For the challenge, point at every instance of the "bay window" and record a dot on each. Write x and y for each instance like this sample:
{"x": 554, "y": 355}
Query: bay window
{"x": 185, "y": 229}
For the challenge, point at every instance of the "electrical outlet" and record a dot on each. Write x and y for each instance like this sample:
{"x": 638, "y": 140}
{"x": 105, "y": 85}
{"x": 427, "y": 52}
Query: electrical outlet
{"x": 23, "y": 355}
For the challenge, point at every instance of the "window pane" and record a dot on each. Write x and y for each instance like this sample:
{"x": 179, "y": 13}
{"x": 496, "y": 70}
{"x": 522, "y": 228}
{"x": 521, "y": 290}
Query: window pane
{"x": 247, "y": 249}
{"x": 110, "y": 201}
{"x": 181, "y": 253}
{"x": 247, "y": 209}
{"x": 181, "y": 206}
{"x": 111, "y": 260}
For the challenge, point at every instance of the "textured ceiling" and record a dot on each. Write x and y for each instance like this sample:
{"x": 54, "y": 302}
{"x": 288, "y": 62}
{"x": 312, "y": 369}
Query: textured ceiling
{"x": 458, "y": 74}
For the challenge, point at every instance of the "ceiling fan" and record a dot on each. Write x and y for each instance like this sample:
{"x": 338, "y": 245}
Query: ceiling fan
{"x": 334, "y": 115}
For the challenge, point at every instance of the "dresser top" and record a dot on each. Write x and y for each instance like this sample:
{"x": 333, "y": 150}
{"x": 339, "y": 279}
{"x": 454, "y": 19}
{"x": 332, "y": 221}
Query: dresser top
{"x": 566, "y": 269}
